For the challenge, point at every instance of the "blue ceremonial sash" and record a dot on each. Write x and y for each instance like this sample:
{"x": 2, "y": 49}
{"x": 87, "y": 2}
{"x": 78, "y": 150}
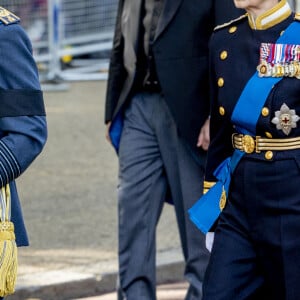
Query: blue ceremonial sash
{"x": 207, "y": 209}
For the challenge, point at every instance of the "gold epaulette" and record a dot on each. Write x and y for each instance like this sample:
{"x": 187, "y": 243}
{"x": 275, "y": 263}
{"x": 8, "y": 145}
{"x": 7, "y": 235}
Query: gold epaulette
{"x": 231, "y": 22}
{"x": 297, "y": 16}
{"x": 7, "y": 17}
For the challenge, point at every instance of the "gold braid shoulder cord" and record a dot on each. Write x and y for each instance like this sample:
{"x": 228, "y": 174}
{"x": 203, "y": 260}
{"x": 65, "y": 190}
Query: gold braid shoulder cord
{"x": 8, "y": 247}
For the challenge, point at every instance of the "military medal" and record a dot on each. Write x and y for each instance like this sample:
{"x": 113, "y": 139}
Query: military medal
{"x": 285, "y": 119}
{"x": 264, "y": 67}
{"x": 279, "y": 60}
{"x": 291, "y": 70}
{"x": 286, "y": 70}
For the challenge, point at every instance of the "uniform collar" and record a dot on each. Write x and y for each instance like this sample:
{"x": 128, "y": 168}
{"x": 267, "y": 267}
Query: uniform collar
{"x": 275, "y": 15}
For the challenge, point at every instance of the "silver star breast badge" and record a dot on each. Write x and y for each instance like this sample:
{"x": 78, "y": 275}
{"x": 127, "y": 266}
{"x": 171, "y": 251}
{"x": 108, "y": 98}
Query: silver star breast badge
{"x": 285, "y": 119}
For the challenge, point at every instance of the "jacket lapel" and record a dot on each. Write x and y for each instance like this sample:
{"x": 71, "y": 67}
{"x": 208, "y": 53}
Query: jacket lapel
{"x": 170, "y": 8}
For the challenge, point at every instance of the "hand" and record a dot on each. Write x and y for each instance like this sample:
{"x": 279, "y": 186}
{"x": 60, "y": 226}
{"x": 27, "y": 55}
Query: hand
{"x": 203, "y": 138}
{"x": 107, "y": 132}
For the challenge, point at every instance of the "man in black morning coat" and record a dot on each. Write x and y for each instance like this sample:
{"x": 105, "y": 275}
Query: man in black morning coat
{"x": 157, "y": 112}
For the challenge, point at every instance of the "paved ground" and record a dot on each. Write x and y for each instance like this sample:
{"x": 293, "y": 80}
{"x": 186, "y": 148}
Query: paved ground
{"x": 69, "y": 203}
{"x": 172, "y": 291}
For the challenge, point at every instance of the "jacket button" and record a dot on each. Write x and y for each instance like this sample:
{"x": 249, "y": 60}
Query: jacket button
{"x": 268, "y": 135}
{"x": 269, "y": 155}
{"x": 232, "y": 29}
{"x": 265, "y": 111}
{"x": 223, "y": 55}
{"x": 220, "y": 82}
{"x": 221, "y": 110}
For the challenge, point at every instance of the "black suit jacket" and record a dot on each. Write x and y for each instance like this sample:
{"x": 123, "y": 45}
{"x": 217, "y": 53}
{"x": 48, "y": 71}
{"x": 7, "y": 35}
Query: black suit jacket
{"x": 181, "y": 56}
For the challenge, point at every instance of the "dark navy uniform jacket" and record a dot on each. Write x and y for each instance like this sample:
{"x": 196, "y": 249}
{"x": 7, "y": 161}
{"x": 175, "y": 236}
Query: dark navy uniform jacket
{"x": 234, "y": 57}
{"x": 257, "y": 234}
{"x": 23, "y": 130}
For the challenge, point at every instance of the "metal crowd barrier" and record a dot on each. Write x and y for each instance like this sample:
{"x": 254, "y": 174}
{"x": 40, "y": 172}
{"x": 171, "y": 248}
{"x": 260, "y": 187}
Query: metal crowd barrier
{"x": 71, "y": 38}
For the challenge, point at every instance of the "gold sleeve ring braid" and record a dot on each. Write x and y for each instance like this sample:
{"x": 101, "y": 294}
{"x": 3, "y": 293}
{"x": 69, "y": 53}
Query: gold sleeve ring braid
{"x": 8, "y": 247}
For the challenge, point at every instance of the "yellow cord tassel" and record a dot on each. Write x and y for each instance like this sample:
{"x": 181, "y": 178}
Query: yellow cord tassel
{"x": 8, "y": 247}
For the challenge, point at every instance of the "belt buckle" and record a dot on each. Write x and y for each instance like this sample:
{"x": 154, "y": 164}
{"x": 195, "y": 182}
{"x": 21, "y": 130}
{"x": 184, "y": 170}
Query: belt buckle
{"x": 248, "y": 143}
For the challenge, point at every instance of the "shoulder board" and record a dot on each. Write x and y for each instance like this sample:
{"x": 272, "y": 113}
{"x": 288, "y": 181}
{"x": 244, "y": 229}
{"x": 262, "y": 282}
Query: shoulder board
{"x": 231, "y": 22}
{"x": 7, "y": 17}
{"x": 297, "y": 16}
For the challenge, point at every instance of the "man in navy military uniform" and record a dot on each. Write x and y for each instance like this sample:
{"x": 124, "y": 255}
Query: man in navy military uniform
{"x": 23, "y": 129}
{"x": 157, "y": 114}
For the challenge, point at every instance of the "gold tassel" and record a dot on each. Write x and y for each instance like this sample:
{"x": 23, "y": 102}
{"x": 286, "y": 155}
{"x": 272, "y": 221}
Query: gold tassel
{"x": 8, "y": 247}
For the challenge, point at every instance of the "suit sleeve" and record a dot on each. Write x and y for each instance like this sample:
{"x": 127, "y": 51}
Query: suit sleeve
{"x": 23, "y": 128}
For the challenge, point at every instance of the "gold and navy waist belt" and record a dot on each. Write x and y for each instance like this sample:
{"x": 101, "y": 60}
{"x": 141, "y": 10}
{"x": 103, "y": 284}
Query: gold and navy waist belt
{"x": 250, "y": 144}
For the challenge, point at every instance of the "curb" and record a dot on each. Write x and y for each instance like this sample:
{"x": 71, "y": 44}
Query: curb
{"x": 72, "y": 285}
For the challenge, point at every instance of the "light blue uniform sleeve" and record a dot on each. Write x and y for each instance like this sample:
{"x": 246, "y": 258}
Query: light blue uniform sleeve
{"x": 22, "y": 137}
